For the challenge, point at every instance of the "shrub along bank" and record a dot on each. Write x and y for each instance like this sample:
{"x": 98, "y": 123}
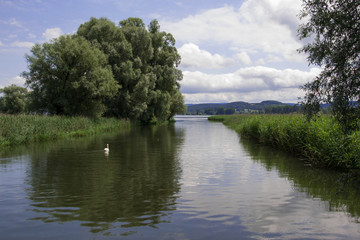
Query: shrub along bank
{"x": 320, "y": 142}
{"x": 20, "y": 129}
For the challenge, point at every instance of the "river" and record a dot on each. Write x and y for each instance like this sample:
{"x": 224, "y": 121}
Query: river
{"x": 194, "y": 179}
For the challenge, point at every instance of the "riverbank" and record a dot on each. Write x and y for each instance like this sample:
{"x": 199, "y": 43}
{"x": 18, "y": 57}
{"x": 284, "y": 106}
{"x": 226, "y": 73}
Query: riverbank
{"x": 320, "y": 142}
{"x": 21, "y": 129}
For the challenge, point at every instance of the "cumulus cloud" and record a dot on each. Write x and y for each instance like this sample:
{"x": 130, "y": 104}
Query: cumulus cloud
{"x": 262, "y": 25}
{"x": 244, "y": 58}
{"x": 52, "y": 33}
{"x": 258, "y": 34}
{"x": 269, "y": 59}
{"x": 245, "y": 79}
{"x": 289, "y": 95}
{"x": 20, "y": 81}
{"x": 260, "y": 82}
{"x": 192, "y": 57}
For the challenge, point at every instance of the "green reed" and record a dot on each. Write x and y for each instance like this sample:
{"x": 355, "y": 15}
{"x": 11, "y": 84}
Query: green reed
{"x": 320, "y": 142}
{"x": 20, "y": 129}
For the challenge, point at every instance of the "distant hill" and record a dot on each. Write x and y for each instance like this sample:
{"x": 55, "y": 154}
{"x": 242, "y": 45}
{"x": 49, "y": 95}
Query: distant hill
{"x": 239, "y": 107}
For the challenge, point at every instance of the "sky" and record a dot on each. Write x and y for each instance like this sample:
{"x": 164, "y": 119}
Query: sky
{"x": 231, "y": 50}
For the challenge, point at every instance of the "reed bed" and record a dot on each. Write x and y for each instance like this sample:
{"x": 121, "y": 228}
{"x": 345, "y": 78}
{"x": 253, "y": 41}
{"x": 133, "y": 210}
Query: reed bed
{"x": 320, "y": 142}
{"x": 20, "y": 129}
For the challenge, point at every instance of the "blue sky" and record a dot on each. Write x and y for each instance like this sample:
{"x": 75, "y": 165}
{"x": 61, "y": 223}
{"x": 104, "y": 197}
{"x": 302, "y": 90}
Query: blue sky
{"x": 231, "y": 50}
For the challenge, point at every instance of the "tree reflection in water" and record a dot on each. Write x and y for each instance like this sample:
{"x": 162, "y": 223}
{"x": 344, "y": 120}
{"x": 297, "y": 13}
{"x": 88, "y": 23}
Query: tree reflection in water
{"x": 337, "y": 188}
{"x": 136, "y": 185}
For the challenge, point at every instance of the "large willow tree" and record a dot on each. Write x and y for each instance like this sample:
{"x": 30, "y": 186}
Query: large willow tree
{"x": 334, "y": 29}
{"x": 126, "y": 71}
{"x": 69, "y": 76}
{"x": 144, "y": 63}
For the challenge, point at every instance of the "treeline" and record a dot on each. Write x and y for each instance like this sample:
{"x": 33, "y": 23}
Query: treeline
{"x": 124, "y": 71}
{"x": 284, "y": 109}
{"x": 216, "y": 111}
{"x": 268, "y": 107}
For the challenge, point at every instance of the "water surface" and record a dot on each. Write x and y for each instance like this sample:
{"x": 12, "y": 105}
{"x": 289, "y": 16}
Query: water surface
{"x": 192, "y": 180}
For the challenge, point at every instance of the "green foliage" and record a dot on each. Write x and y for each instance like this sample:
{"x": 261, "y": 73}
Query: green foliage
{"x": 334, "y": 28}
{"x": 229, "y": 111}
{"x": 13, "y": 100}
{"x": 69, "y": 77}
{"x": 241, "y": 107}
{"x": 20, "y": 129}
{"x": 321, "y": 142}
{"x": 220, "y": 110}
{"x": 125, "y": 71}
{"x": 283, "y": 109}
{"x": 106, "y": 36}
{"x": 209, "y": 111}
{"x": 143, "y": 63}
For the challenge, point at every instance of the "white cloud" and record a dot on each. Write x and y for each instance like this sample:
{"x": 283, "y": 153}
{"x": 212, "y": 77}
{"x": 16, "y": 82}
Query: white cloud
{"x": 245, "y": 79}
{"x": 266, "y": 25}
{"x": 20, "y": 81}
{"x": 1, "y": 44}
{"x": 269, "y": 59}
{"x": 261, "y": 61}
{"x": 52, "y": 33}
{"x": 22, "y": 44}
{"x": 262, "y": 32}
{"x": 289, "y": 95}
{"x": 192, "y": 57}
{"x": 244, "y": 58}
{"x": 246, "y": 83}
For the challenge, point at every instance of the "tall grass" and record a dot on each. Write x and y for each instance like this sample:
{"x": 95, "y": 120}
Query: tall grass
{"x": 20, "y": 129}
{"x": 320, "y": 142}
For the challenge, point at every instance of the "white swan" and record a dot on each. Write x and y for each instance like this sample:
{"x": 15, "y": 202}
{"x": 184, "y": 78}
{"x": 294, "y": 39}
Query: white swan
{"x": 107, "y": 148}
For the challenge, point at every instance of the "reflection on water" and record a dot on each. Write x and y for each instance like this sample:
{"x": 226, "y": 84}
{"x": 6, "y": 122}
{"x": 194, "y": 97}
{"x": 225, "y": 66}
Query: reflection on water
{"x": 340, "y": 192}
{"x": 135, "y": 185}
{"x": 192, "y": 180}
{"x": 261, "y": 189}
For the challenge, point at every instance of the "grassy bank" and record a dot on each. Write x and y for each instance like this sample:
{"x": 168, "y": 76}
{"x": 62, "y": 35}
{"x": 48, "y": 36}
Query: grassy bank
{"x": 20, "y": 129}
{"x": 321, "y": 142}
